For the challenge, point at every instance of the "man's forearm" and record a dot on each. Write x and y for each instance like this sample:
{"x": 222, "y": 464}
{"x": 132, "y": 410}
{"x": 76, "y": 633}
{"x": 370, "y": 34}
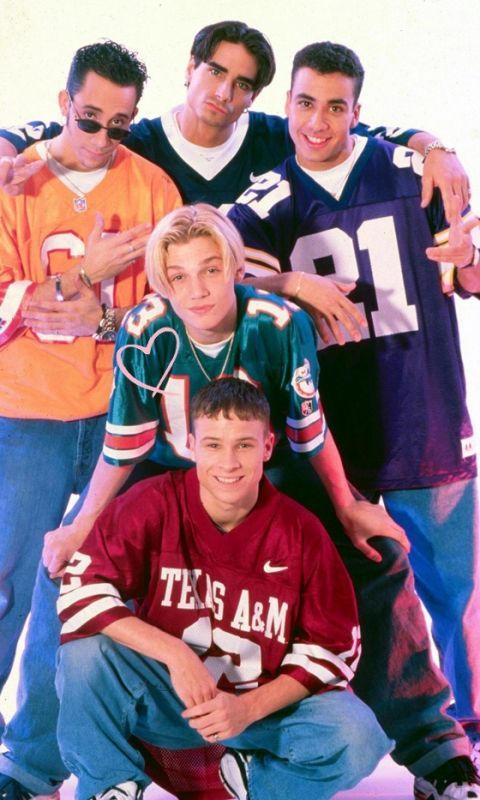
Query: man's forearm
{"x": 281, "y": 283}
{"x": 420, "y": 140}
{"x": 106, "y": 482}
{"x": 145, "y": 639}
{"x": 283, "y": 691}
{"x": 329, "y": 468}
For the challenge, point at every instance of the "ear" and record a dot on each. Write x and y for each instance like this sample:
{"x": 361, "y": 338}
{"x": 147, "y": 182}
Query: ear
{"x": 64, "y": 102}
{"x": 255, "y": 95}
{"x": 269, "y": 444}
{"x": 189, "y": 70}
{"x": 191, "y": 442}
{"x": 239, "y": 274}
{"x": 287, "y": 102}
{"x": 356, "y": 115}
{"x": 134, "y": 113}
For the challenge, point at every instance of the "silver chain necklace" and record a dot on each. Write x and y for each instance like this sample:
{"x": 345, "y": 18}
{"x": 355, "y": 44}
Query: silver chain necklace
{"x": 197, "y": 359}
{"x": 80, "y": 203}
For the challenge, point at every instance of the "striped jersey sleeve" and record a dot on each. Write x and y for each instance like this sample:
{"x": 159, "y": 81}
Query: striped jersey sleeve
{"x": 133, "y": 416}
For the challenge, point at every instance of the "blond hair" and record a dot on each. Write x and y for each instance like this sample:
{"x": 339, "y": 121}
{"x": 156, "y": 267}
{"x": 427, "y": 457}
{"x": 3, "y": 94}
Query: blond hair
{"x": 182, "y": 225}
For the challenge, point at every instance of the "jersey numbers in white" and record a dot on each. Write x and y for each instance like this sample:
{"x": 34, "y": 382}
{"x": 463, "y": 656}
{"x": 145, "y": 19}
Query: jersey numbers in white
{"x": 279, "y": 190}
{"x": 241, "y": 662}
{"x": 394, "y": 314}
{"x": 152, "y": 308}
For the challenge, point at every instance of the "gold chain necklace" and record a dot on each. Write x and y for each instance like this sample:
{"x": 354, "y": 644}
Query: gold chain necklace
{"x": 195, "y": 355}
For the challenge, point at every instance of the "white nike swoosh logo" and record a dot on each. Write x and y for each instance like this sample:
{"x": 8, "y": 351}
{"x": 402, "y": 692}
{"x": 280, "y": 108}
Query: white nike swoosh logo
{"x": 267, "y": 567}
{"x": 254, "y": 178}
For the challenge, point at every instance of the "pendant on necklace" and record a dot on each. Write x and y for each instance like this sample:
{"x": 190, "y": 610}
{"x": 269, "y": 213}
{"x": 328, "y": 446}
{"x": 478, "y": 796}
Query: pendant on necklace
{"x": 80, "y": 204}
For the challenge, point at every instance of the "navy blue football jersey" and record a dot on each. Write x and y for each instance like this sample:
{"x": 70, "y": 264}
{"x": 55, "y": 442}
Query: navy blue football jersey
{"x": 395, "y": 401}
{"x": 266, "y": 144}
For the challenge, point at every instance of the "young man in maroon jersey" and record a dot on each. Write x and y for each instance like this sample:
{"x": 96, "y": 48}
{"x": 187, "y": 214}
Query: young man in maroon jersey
{"x": 244, "y": 631}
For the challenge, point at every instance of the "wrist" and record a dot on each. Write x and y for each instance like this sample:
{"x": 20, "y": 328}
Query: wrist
{"x": 436, "y": 144}
{"x": 474, "y": 260}
{"x": 298, "y": 285}
{"x": 107, "y": 325}
{"x": 344, "y": 508}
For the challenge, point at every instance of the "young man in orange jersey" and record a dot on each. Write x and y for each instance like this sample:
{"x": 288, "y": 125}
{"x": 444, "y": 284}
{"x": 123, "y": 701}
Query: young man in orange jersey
{"x": 71, "y": 257}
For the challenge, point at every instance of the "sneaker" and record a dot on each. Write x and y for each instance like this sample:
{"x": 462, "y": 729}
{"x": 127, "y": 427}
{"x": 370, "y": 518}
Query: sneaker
{"x": 10, "y": 789}
{"x": 475, "y": 754}
{"x": 234, "y": 773}
{"x": 457, "y": 779}
{"x": 128, "y": 790}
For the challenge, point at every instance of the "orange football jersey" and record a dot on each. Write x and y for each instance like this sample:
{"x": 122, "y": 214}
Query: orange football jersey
{"x": 41, "y": 234}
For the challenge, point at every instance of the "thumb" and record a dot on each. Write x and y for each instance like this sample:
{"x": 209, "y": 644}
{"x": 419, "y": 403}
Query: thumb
{"x": 427, "y": 191}
{"x": 471, "y": 224}
{"x": 345, "y": 288}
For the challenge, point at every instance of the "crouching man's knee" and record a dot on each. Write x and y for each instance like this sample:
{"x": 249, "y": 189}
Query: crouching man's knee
{"x": 366, "y": 742}
{"x": 349, "y": 736}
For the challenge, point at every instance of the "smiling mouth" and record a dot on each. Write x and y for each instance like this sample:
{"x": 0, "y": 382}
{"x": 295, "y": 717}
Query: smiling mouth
{"x": 94, "y": 154}
{"x": 228, "y": 481}
{"x": 315, "y": 140}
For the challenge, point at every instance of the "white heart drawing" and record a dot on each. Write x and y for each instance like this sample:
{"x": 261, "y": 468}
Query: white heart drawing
{"x": 146, "y": 350}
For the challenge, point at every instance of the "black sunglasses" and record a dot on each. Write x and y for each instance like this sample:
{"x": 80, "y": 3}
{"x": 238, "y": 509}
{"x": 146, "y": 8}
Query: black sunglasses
{"x": 92, "y": 126}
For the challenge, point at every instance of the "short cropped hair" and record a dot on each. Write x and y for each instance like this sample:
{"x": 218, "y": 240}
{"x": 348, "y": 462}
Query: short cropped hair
{"x": 327, "y": 57}
{"x": 230, "y": 396}
{"x": 207, "y": 40}
{"x": 181, "y": 226}
{"x": 109, "y": 60}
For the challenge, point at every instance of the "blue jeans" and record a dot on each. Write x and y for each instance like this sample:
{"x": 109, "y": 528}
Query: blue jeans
{"x": 42, "y": 463}
{"x": 310, "y": 749}
{"x": 443, "y": 526}
{"x": 396, "y": 676}
{"x": 57, "y": 459}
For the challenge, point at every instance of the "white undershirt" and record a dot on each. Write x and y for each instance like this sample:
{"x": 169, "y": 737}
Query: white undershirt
{"x": 207, "y": 161}
{"x": 334, "y": 180}
{"x": 211, "y": 350}
{"x": 85, "y": 181}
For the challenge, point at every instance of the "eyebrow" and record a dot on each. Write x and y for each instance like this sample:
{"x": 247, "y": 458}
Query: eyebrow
{"x": 224, "y": 70}
{"x": 205, "y": 261}
{"x": 90, "y": 107}
{"x": 339, "y": 101}
{"x": 220, "y": 439}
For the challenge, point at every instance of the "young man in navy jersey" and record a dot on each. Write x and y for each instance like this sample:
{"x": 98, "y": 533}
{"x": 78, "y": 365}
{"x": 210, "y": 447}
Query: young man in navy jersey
{"x": 245, "y": 628}
{"x": 350, "y": 209}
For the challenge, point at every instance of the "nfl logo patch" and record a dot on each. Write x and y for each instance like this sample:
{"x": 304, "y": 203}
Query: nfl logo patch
{"x": 306, "y": 408}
